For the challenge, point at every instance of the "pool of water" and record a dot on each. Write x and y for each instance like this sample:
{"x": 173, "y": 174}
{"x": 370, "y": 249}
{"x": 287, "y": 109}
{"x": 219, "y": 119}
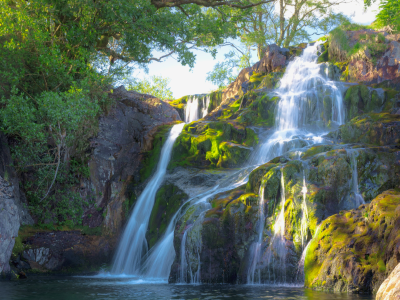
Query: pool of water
{"x": 99, "y": 288}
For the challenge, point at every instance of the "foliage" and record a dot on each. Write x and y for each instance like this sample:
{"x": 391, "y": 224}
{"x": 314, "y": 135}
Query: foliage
{"x": 369, "y": 46}
{"x": 57, "y": 57}
{"x": 155, "y": 85}
{"x": 225, "y": 72}
{"x": 389, "y": 15}
{"x": 288, "y": 23}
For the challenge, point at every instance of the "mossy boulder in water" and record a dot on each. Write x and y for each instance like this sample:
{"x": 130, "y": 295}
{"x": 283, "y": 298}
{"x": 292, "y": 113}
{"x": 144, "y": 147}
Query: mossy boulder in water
{"x": 225, "y": 232}
{"x": 355, "y": 250}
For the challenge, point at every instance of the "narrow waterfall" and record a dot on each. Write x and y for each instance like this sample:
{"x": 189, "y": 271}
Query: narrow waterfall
{"x": 304, "y": 218}
{"x": 300, "y": 266}
{"x": 206, "y": 104}
{"x": 196, "y": 108}
{"x": 133, "y": 245}
{"x": 358, "y": 198}
{"x": 192, "y": 109}
{"x": 256, "y": 247}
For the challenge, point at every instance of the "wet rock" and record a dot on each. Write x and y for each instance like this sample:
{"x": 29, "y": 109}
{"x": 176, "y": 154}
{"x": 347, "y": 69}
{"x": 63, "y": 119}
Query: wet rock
{"x": 67, "y": 252}
{"x": 9, "y": 224}
{"x": 390, "y": 288}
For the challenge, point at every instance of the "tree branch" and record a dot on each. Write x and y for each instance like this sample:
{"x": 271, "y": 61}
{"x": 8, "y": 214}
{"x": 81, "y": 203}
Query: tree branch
{"x": 211, "y": 3}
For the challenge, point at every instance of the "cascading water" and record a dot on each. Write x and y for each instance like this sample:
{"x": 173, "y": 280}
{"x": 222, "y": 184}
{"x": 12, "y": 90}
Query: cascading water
{"x": 309, "y": 102}
{"x": 192, "y": 112}
{"x": 358, "y": 198}
{"x": 206, "y": 104}
{"x": 304, "y": 218}
{"x": 251, "y": 275}
{"x": 133, "y": 245}
{"x": 276, "y": 252}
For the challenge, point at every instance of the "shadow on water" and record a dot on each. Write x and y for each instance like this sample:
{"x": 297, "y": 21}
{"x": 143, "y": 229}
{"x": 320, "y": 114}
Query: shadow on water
{"x": 77, "y": 288}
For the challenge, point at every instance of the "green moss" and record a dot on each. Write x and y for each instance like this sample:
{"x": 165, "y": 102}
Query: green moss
{"x": 360, "y": 236}
{"x": 324, "y": 57}
{"x": 316, "y": 150}
{"x": 151, "y": 158}
{"x": 168, "y": 200}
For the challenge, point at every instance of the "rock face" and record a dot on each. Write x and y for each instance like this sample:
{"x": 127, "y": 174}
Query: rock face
{"x": 9, "y": 224}
{"x": 7, "y": 172}
{"x": 124, "y": 135}
{"x": 390, "y": 288}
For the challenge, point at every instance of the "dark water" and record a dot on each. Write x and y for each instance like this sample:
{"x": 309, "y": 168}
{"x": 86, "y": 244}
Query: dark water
{"x": 77, "y": 288}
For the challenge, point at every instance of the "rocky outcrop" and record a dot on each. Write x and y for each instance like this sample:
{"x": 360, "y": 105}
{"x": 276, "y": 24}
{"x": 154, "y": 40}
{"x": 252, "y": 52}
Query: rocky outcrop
{"x": 125, "y": 133}
{"x": 65, "y": 252}
{"x": 9, "y": 224}
{"x": 390, "y": 288}
{"x": 355, "y": 250}
{"x": 130, "y": 134}
{"x": 274, "y": 60}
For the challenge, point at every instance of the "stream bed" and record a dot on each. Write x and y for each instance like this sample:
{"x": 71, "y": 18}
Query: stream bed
{"x": 99, "y": 288}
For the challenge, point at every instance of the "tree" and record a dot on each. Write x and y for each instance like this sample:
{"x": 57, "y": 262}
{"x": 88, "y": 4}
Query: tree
{"x": 289, "y": 22}
{"x": 389, "y": 15}
{"x": 225, "y": 72}
{"x": 155, "y": 85}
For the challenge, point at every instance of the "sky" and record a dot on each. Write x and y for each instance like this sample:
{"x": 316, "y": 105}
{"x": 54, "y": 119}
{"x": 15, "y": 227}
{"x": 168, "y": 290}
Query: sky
{"x": 184, "y": 81}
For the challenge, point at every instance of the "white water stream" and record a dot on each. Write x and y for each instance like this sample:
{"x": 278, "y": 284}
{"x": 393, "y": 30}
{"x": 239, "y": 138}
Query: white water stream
{"x": 133, "y": 244}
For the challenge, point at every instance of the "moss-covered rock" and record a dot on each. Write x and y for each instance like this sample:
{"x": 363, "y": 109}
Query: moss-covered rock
{"x": 168, "y": 200}
{"x": 373, "y": 128}
{"x": 361, "y": 99}
{"x": 355, "y": 250}
{"x": 213, "y": 144}
{"x": 227, "y": 231}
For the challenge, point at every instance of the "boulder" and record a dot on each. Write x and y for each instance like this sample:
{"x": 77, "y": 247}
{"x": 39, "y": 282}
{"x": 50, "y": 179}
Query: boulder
{"x": 355, "y": 250}
{"x": 390, "y": 288}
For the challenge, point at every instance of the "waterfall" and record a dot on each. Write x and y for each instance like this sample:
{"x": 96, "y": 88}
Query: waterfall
{"x": 309, "y": 104}
{"x": 275, "y": 256}
{"x": 206, "y": 104}
{"x": 300, "y": 266}
{"x": 133, "y": 244}
{"x": 192, "y": 112}
{"x": 304, "y": 210}
{"x": 307, "y": 96}
{"x": 358, "y": 198}
{"x": 192, "y": 109}
{"x": 300, "y": 118}
{"x": 256, "y": 247}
